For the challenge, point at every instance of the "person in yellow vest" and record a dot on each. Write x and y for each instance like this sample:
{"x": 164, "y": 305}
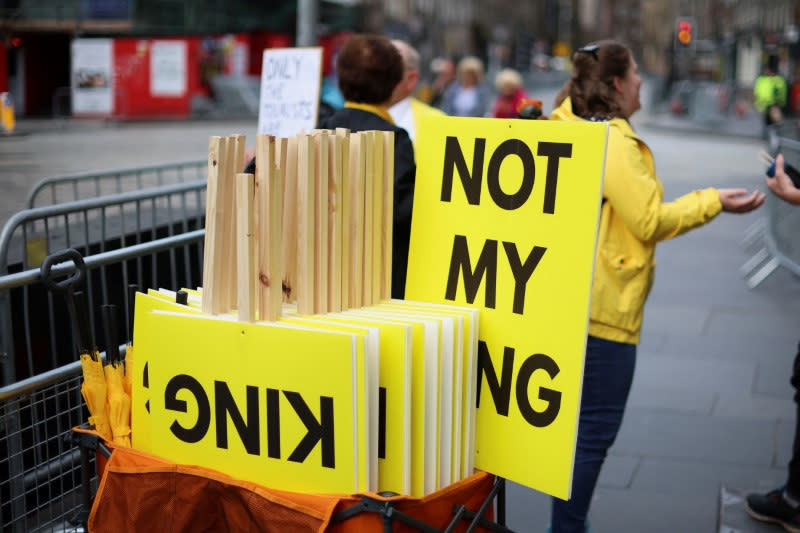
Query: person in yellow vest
{"x": 408, "y": 110}
{"x": 770, "y": 93}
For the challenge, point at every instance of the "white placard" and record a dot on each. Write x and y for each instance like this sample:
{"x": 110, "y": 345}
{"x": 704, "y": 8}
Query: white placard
{"x": 168, "y": 68}
{"x": 290, "y": 86}
{"x": 92, "y": 68}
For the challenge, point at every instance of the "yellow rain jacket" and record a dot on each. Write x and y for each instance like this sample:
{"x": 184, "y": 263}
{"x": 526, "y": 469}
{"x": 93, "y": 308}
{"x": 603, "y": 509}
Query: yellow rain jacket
{"x": 632, "y": 220}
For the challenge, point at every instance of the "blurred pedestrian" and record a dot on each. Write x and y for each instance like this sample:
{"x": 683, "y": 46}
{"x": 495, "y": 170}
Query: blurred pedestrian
{"x": 782, "y": 505}
{"x": 445, "y": 71}
{"x": 407, "y": 110}
{"x": 770, "y": 92}
{"x": 467, "y": 96}
{"x": 510, "y": 93}
{"x": 369, "y": 67}
{"x": 604, "y": 87}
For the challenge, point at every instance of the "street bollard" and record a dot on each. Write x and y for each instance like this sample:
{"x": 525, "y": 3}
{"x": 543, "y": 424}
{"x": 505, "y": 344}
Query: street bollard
{"x": 7, "y": 113}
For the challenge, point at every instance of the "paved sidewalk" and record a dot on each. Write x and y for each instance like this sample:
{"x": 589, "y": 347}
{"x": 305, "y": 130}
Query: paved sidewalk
{"x": 749, "y": 126}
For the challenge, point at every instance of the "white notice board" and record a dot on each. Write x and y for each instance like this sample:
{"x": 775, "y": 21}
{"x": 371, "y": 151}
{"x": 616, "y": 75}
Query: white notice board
{"x": 92, "y": 76}
{"x": 290, "y": 87}
{"x": 168, "y": 68}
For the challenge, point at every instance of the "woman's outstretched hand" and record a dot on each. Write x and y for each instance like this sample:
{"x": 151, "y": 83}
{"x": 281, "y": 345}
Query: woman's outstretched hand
{"x": 739, "y": 201}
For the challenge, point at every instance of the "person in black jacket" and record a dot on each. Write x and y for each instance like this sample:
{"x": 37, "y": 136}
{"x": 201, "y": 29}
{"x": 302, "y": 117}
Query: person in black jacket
{"x": 369, "y": 68}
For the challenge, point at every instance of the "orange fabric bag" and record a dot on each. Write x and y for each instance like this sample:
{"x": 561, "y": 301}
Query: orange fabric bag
{"x": 141, "y": 492}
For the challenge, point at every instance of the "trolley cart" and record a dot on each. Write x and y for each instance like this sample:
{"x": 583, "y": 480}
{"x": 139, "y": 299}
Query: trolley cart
{"x": 139, "y": 491}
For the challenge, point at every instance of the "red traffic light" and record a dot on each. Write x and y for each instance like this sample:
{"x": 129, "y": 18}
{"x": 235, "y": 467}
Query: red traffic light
{"x": 684, "y": 34}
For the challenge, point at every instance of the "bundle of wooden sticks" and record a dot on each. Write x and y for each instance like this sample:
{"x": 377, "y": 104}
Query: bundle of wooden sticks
{"x": 312, "y": 226}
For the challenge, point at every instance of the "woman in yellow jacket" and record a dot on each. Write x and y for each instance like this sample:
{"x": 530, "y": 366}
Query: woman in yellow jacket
{"x": 605, "y": 87}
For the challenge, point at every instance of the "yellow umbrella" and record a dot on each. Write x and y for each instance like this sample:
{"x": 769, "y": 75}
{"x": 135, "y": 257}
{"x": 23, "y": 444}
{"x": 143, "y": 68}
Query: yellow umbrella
{"x": 127, "y": 378}
{"x": 127, "y": 366}
{"x": 118, "y": 403}
{"x": 93, "y": 388}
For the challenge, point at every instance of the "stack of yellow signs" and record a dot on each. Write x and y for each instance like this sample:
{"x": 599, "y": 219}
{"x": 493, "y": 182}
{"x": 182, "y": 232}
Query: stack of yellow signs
{"x": 291, "y": 367}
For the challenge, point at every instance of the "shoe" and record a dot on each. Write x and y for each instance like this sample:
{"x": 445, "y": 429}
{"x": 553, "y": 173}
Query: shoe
{"x": 771, "y": 507}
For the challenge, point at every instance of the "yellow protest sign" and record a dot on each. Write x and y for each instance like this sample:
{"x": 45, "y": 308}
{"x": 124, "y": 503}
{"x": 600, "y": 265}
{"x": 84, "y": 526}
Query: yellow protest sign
{"x": 223, "y": 396}
{"x": 505, "y": 219}
{"x": 394, "y": 395}
{"x": 140, "y": 397}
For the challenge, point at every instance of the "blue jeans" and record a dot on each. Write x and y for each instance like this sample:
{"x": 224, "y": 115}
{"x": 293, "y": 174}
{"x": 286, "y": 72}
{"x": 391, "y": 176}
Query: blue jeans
{"x": 607, "y": 376}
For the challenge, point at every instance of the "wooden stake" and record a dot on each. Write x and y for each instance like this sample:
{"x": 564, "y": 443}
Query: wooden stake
{"x": 335, "y": 223}
{"x": 213, "y": 230}
{"x": 269, "y": 206}
{"x": 288, "y": 167}
{"x": 344, "y": 202}
{"x": 388, "y": 213}
{"x": 305, "y": 225}
{"x": 368, "y": 147}
{"x": 226, "y": 220}
{"x": 356, "y": 226}
{"x": 321, "y": 146}
{"x": 245, "y": 249}
{"x": 377, "y": 216}
{"x": 236, "y": 148}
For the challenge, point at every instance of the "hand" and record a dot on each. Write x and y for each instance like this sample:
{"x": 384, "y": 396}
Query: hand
{"x": 249, "y": 154}
{"x": 782, "y": 184}
{"x": 738, "y": 201}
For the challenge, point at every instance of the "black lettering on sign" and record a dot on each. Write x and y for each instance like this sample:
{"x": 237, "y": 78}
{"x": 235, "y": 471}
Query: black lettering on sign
{"x": 522, "y": 273}
{"x": 318, "y": 430}
{"x": 535, "y": 418}
{"x": 553, "y": 152}
{"x": 224, "y": 405}
{"x": 501, "y": 389}
{"x": 172, "y": 403}
{"x": 454, "y": 160}
{"x": 273, "y": 424}
{"x": 381, "y": 422}
{"x": 505, "y": 201}
{"x": 454, "y": 157}
{"x": 485, "y": 267}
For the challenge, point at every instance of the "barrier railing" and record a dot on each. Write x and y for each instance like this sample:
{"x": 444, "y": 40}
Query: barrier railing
{"x": 42, "y": 475}
{"x": 29, "y": 330}
{"x": 776, "y": 233}
{"x": 79, "y": 186}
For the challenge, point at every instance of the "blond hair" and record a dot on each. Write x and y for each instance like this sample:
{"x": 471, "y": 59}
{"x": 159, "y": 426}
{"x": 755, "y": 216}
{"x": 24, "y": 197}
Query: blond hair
{"x": 508, "y": 80}
{"x": 470, "y": 65}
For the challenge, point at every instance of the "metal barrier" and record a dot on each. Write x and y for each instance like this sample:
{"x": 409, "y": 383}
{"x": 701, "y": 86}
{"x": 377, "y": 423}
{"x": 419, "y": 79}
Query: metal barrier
{"x": 43, "y": 477}
{"x": 29, "y": 331}
{"x": 73, "y": 187}
{"x": 777, "y": 232}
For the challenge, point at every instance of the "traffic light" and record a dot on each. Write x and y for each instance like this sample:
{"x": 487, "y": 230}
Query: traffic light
{"x": 684, "y": 33}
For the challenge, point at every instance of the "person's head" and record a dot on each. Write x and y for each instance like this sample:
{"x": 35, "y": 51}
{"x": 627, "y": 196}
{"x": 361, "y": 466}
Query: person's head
{"x": 444, "y": 68}
{"x": 771, "y": 68}
{"x": 369, "y": 68}
{"x": 508, "y": 81}
{"x": 410, "y": 78}
{"x": 470, "y": 71}
{"x": 605, "y": 81}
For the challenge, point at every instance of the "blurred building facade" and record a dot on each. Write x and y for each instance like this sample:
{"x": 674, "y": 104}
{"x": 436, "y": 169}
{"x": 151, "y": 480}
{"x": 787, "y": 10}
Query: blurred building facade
{"x": 730, "y": 39}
